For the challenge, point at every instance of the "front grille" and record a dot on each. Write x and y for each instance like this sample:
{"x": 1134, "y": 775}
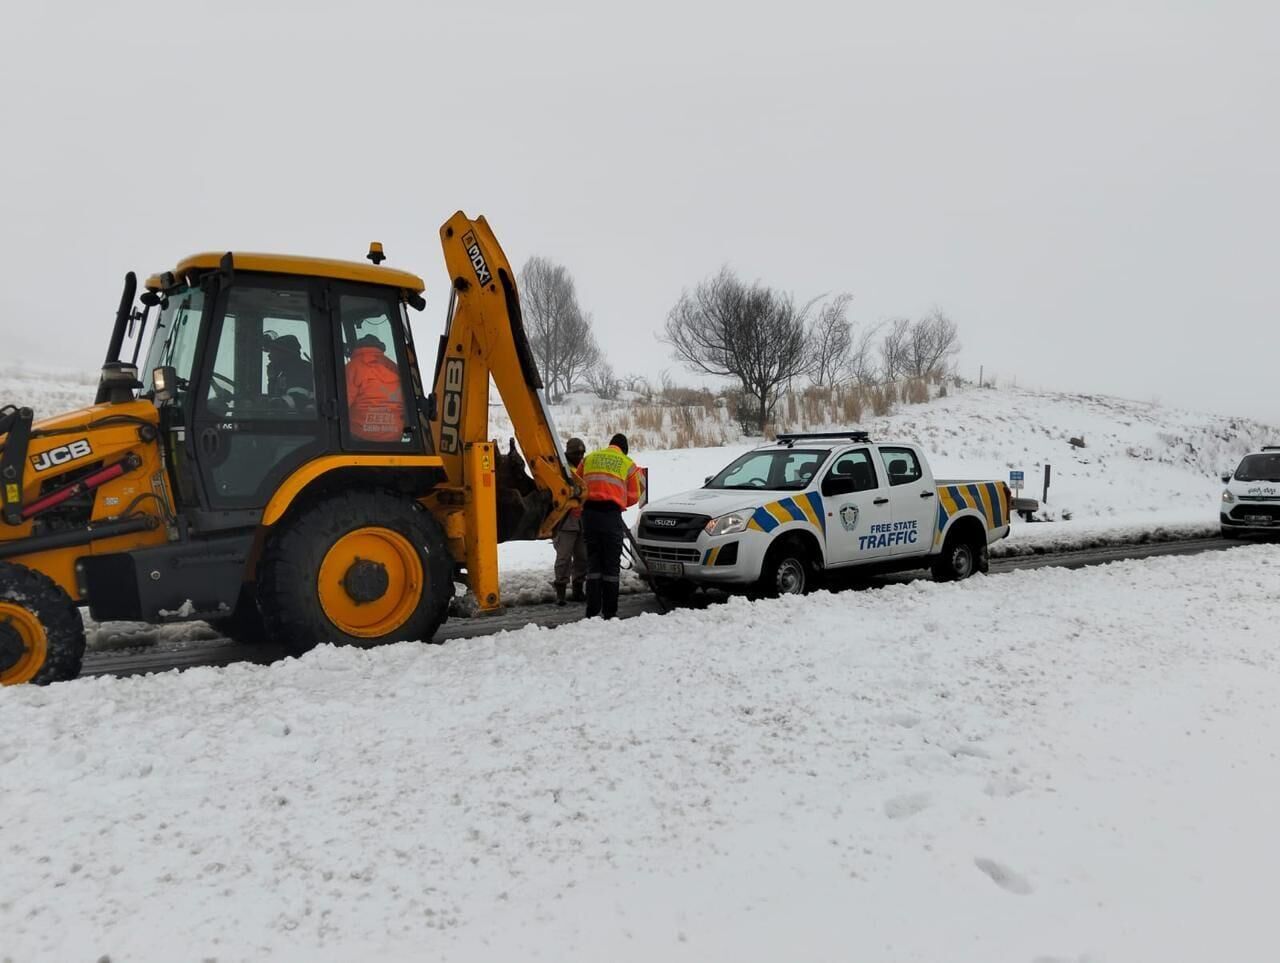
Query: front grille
{"x": 1241, "y": 512}
{"x": 1258, "y": 498}
{"x": 651, "y": 553}
{"x": 678, "y": 526}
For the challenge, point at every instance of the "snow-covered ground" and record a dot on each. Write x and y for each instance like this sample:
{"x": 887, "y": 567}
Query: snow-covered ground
{"x": 1043, "y": 765}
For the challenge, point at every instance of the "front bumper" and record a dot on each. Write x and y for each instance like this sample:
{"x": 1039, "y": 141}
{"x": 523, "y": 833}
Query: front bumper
{"x": 1252, "y": 517}
{"x": 723, "y": 560}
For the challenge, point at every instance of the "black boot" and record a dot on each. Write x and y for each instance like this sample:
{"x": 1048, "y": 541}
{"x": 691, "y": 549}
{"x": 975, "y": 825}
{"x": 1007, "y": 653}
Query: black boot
{"x": 609, "y": 601}
{"x": 578, "y": 594}
{"x": 593, "y": 597}
{"x": 559, "y": 587}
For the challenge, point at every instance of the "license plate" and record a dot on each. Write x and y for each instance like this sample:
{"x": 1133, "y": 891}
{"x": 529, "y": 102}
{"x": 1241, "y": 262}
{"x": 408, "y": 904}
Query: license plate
{"x": 666, "y": 568}
{"x": 1259, "y": 519}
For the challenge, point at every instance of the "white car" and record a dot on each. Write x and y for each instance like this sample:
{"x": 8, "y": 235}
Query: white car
{"x": 1251, "y": 500}
{"x": 779, "y": 516}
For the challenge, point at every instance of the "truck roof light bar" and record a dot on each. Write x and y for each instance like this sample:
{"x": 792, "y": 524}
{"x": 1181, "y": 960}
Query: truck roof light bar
{"x": 789, "y": 439}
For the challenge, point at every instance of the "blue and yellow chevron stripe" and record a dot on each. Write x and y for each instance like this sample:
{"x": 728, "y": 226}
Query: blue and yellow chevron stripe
{"x": 988, "y": 499}
{"x": 801, "y": 508}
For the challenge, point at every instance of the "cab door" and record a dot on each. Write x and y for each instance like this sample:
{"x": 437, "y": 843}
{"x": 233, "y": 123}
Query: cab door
{"x": 857, "y": 508}
{"x": 915, "y": 499}
{"x": 261, "y": 401}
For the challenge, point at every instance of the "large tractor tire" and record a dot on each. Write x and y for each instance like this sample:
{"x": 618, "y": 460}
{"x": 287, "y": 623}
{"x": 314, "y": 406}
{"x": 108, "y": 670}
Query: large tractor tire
{"x": 41, "y": 632}
{"x": 964, "y": 553}
{"x": 357, "y": 568}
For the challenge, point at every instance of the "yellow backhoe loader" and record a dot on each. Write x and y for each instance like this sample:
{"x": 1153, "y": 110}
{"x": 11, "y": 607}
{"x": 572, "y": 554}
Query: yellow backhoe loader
{"x": 286, "y": 474}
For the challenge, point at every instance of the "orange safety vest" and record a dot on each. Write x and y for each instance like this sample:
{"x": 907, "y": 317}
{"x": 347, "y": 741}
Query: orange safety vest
{"x": 611, "y": 477}
{"x": 375, "y": 398}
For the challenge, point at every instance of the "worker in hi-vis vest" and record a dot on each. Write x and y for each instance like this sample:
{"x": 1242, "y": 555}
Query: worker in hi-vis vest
{"x": 614, "y": 483}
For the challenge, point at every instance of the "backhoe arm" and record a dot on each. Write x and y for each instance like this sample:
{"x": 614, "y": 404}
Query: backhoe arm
{"x": 484, "y": 338}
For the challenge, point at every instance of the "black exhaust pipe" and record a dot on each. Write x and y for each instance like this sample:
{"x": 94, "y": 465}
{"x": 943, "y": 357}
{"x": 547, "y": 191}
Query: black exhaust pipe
{"x": 117, "y": 333}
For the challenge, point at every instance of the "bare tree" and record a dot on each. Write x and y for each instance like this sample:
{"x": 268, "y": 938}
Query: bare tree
{"x": 727, "y": 328}
{"x": 559, "y": 331}
{"x": 830, "y": 341}
{"x": 601, "y": 380}
{"x": 894, "y": 350}
{"x": 933, "y": 344}
{"x": 864, "y": 366}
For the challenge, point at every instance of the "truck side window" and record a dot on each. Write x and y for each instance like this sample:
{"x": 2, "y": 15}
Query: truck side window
{"x": 852, "y": 472}
{"x": 902, "y": 465}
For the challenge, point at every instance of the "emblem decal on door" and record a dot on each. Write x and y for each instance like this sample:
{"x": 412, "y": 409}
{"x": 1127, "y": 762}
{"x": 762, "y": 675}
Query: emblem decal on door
{"x": 849, "y": 517}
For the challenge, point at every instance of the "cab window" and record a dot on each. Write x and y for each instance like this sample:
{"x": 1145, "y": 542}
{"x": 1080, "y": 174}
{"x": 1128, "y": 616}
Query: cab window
{"x": 262, "y": 361}
{"x": 901, "y": 465}
{"x": 852, "y": 472}
{"x": 174, "y": 343}
{"x": 373, "y": 371}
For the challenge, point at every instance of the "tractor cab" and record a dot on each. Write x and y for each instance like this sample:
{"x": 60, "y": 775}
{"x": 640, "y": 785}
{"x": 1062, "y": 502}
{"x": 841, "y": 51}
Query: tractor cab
{"x": 262, "y": 454}
{"x": 259, "y": 364}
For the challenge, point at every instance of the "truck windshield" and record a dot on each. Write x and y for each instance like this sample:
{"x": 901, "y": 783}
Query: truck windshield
{"x": 784, "y": 469}
{"x": 174, "y": 342}
{"x": 1259, "y": 468}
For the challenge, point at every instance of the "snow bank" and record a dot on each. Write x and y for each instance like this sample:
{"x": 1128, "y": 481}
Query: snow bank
{"x": 1044, "y": 765}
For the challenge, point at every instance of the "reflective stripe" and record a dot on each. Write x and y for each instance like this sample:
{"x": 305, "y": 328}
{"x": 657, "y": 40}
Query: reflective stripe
{"x": 987, "y": 507}
{"x": 793, "y": 509}
{"x": 777, "y": 511}
{"x": 762, "y": 521}
{"x": 815, "y": 505}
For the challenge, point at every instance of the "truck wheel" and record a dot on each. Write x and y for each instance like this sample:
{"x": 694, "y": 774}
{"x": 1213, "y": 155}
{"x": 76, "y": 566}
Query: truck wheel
{"x": 960, "y": 558}
{"x": 1229, "y": 532}
{"x": 358, "y": 568}
{"x": 788, "y": 570}
{"x": 41, "y": 632}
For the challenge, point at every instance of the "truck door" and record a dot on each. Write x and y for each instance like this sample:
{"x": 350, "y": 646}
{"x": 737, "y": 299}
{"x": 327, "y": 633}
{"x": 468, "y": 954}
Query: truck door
{"x": 915, "y": 500}
{"x": 857, "y": 508}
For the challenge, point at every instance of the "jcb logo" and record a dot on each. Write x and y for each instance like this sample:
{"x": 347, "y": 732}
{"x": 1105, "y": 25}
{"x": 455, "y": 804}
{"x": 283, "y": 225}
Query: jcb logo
{"x": 450, "y": 441}
{"x": 477, "y": 258}
{"x": 61, "y": 455}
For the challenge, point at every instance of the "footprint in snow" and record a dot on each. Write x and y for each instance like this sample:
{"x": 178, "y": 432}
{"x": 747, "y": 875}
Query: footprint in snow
{"x": 1003, "y": 876}
{"x": 907, "y": 805}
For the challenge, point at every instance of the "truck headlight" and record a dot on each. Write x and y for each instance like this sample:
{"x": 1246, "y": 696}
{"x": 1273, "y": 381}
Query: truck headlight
{"x": 727, "y": 524}
{"x": 1227, "y": 497}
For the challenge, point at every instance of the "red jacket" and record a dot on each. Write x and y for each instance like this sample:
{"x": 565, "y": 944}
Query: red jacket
{"x": 375, "y": 398}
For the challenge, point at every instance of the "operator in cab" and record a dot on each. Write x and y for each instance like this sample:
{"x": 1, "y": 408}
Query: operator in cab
{"x": 375, "y": 397}
{"x": 287, "y": 370}
{"x": 614, "y": 483}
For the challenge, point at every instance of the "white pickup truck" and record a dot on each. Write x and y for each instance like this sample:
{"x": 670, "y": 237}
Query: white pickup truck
{"x": 779, "y": 516}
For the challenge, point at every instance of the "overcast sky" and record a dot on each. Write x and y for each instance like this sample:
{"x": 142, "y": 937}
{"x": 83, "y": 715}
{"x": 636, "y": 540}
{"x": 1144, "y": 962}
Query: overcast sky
{"x": 1091, "y": 190}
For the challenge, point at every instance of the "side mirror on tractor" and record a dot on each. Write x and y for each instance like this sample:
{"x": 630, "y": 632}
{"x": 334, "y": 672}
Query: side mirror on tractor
{"x": 164, "y": 382}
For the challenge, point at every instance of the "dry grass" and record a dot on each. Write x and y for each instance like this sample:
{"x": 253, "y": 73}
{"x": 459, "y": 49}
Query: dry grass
{"x": 915, "y": 391}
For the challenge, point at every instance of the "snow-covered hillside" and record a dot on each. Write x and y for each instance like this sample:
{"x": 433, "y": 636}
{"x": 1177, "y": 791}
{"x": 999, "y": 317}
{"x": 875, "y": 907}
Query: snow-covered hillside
{"x": 1045, "y": 765}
